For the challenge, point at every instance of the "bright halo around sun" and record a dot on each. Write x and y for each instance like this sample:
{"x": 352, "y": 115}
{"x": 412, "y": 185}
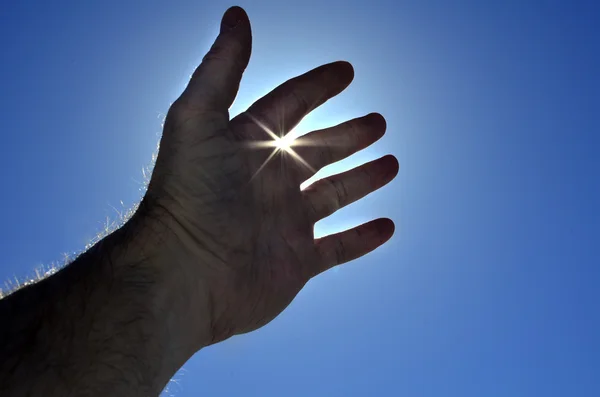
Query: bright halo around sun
{"x": 279, "y": 144}
{"x": 284, "y": 144}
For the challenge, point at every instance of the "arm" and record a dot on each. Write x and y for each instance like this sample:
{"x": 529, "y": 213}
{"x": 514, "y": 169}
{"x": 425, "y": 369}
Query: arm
{"x": 221, "y": 243}
{"x": 100, "y": 326}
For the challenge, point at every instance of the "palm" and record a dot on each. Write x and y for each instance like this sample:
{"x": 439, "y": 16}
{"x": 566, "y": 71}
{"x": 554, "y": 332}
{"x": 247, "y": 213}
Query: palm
{"x": 235, "y": 200}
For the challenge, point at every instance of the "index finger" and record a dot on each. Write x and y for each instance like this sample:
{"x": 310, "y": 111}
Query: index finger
{"x": 284, "y": 107}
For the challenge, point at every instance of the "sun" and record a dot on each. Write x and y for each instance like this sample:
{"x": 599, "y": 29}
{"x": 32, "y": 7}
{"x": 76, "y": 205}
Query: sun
{"x": 281, "y": 144}
{"x": 284, "y": 144}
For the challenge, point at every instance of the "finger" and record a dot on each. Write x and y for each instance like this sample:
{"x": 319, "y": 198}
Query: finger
{"x": 284, "y": 107}
{"x": 351, "y": 244}
{"x": 328, "y": 195}
{"x": 320, "y": 148}
{"x": 215, "y": 82}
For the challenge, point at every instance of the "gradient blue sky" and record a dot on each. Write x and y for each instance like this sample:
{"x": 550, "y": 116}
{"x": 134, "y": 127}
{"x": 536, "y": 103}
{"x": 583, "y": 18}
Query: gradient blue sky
{"x": 490, "y": 285}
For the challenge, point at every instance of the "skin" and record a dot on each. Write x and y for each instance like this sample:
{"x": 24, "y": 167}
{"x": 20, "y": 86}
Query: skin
{"x": 221, "y": 243}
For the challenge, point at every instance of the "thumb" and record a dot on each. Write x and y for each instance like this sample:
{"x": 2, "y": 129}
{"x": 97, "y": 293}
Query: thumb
{"x": 215, "y": 82}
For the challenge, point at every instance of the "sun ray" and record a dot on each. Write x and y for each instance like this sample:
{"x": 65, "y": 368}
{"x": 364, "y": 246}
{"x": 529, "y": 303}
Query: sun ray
{"x": 279, "y": 144}
{"x": 264, "y": 164}
{"x": 297, "y": 157}
{"x": 264, "y": 127}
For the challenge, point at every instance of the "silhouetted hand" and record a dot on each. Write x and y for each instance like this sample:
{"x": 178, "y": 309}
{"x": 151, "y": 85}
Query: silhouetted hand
{"x": 227, "y": 203}
{"x": 220, "y": 245}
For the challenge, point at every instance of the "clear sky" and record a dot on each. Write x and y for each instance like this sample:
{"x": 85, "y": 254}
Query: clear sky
{"x": 489, "y": 286}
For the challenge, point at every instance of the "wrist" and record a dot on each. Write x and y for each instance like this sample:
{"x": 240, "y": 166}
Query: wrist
{"x": 178, "y": 301}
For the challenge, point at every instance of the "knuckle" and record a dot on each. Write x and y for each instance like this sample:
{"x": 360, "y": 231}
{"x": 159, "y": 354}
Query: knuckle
{"x": 217, "y": 51}
{"x": 340, "y": 192}
{"x": 334, "y": 196}
{"x": 340, "y": 252}
{"x": 310, "y": 205}
{"x": 180, "y": 111}
{"x": 326, "y": 151}
{"x": 226, "y": 51}
{"x": 300, "y": 101}
{"x": 367, "y": 177}
{"x": 177, "y": 110}
{"x": 354, "y": 131}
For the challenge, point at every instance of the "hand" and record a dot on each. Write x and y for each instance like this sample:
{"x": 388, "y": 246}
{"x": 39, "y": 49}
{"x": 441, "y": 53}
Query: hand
{"x": 228, "y": 205}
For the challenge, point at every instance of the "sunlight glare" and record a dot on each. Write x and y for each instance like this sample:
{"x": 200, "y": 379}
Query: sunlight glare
{"x": 284, "y": 144}
{"x": 280, "y": 144}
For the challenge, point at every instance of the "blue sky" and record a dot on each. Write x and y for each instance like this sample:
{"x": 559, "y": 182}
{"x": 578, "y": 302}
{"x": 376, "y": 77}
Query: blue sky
{"x": 490, "y": 284}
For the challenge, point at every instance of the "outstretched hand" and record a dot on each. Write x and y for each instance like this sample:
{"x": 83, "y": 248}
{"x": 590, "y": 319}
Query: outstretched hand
{"x": 220, "y": 245}
{"x": 225, "y": 193}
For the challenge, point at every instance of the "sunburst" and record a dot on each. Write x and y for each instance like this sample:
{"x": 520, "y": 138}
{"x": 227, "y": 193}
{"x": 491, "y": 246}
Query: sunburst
{"x": 282, "y": 145}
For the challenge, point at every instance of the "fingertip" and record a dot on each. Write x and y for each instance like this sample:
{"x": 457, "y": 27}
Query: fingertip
{"x": 348, "y": 67}
{"x": 378, "y": 122}
{"x": 345, "y": 71}
{"x": 392, "y": 164}
{"x": 385, "y": 228}
{"x": 233, "y": 17}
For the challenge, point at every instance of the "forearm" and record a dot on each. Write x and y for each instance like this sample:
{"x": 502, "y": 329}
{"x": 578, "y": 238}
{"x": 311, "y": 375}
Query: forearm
{"x": 103, "y": 325}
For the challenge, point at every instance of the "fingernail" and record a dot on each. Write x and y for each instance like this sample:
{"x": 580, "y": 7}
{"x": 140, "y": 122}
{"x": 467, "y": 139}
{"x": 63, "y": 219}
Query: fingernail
{"x": 232, "y": 18}
{"x": 229, "y": 25}
{"x": 385, "y": 227}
